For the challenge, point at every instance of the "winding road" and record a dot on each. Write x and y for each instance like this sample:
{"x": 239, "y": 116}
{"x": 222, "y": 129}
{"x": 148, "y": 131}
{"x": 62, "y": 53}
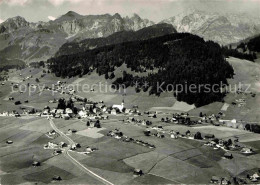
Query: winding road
{"x": 77, "y": 163}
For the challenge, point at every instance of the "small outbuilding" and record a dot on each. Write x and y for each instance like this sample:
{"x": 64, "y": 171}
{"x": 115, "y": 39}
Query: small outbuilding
{"x": 228, "y": 155}
{"x": 56, "y": 178}
{"x": 215, "y": 179}
{"x": 138, "y": 172}
{"x": 36, "y": 163}
{"x": 9, "y": 142}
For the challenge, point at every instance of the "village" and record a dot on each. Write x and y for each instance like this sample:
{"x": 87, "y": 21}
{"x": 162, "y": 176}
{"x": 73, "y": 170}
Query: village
{"x": 152, "y": 123}
{"x": 82, "y": 128}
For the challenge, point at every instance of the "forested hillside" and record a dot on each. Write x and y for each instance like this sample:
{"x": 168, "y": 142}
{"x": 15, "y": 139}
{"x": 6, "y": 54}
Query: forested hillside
{"x": 6, "y": 64}
{"x": 179, "y": 58}
{"x": 116, "y": 38}
{"x": 254, "y": 44}
{"x": 246, "y": 49}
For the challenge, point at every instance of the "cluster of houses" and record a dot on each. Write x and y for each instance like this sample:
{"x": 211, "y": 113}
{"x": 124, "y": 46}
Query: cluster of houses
{"x": 90, "y": 150}
{"x": 138, "y": 121}
{"x": 61, "y": 88}
{"x": 156, "y": 131}
{"x": 10, "y": 114}
{"x": 51, "y": 145}
{"x": 229, "y": 146}
{"x": 220, "y": 180}
{"x": 182, "y": 119}
{"x": 58, "y": 148}
{"x": 249, "y": 179}
{"x": 121, "y": 137}
{"x": 254, "y": 178}
{"x": 51, "y": 134}
{"x": 89, "y": 109}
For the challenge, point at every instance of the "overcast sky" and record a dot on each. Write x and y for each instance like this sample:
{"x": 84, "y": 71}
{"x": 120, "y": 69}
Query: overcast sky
{"x": 155, "y": 10}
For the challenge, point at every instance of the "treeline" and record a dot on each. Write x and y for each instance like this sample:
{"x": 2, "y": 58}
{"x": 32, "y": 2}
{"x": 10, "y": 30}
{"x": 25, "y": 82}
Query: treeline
{"x": 245, "y": 50}
{"x": 6, "y": 64}
{"x": 180, "y": 58}
{"x": 254, "y": 44}
{"x": 37, "y": 64}
{"x": 235, "y": 53}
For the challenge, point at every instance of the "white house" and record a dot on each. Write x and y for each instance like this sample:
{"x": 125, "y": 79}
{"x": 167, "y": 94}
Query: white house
{"x": 113, "y": 112}
{"x": 68, "y": 111}
{"x": 59, "y": 111}
{"x": 53, "y": 111}
{"x": 247, "y": 150}
{"x": 82, "y": 113}
{"x": 233, "y": 121}
{"x": 104, "y": 109}
{"x": 127, "y": 111}
{"x": 5, "y": 113}
{"x": 52, "y": 145}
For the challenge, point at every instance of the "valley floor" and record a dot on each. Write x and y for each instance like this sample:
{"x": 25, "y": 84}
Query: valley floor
{"x": 172, "y": 161}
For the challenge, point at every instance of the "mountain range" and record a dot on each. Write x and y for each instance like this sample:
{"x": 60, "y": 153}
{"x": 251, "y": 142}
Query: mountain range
{"x": 20, "y": 39}
{"x": 221, "y": 28}
{"x": 116, "y": 38}
{"x": 38, "y": 41}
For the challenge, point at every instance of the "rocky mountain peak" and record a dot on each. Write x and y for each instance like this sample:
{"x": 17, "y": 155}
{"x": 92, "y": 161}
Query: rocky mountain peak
{"x": 117, "y": 16}
{"x": 13, "y": 24}
{"x": 221, "y": 28}
{"x": 70, "y": 15}
{"x": 16, "y": 20}
{"x": 136, "y": 17}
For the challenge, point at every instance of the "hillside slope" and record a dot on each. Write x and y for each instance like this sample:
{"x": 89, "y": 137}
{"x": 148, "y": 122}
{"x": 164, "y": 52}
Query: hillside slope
{"x": 183, "y": 59}
{"x": 118, "y": 37}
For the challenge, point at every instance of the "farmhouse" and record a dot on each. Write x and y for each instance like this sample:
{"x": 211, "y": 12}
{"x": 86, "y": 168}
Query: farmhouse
{"x": 233, "y": 121}
{"x": 51, "y": 145}
{"x": 127, "y": 111}
{"x": 57, "y": 152}
{"x": 5, "y": 113}
{"x": 138, "y": 172}
{"x": 36, "y": 163}
{"x": 147, "y": 132}
{"x": 225, "y": 181}
{"x": 68, "y": 111}
{"x": 62, "y": 144}
{"x": 53, "y": 132}
{"x": 215, "y": 179}
{"x": 247, "y": 150}
{"x": 228, "y": 155}
{"x": 9, "y": 142}
{"x": 174, "y": 136}
{"x": 113, "y": 112}
{"x": 57, "y": 116}
{"x": 73, "y": 147}
{"x": 82, "y": 113}
{"x": 56, "y": 178}
{"x": 59, "y": 111}
{"x": 255, "y": 176}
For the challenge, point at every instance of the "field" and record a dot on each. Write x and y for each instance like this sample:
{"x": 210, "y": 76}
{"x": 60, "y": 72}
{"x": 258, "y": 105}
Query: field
{"x": 172, "y": 161}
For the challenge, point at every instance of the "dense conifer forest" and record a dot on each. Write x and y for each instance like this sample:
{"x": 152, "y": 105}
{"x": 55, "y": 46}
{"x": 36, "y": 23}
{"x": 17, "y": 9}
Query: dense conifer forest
{"x": 179, "y": 58}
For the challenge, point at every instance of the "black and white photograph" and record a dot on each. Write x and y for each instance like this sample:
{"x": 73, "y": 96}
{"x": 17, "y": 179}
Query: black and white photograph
{"x": 129, "y": 92}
